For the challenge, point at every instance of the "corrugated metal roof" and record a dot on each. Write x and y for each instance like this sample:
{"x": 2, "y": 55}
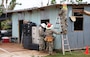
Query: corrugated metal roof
{"x": 36, "y": 8}
{"x": 21, "y": 10}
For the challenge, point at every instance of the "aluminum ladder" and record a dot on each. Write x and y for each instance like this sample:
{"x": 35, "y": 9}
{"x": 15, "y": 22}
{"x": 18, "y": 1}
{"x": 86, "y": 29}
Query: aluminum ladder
{"x": 64, "y": 38}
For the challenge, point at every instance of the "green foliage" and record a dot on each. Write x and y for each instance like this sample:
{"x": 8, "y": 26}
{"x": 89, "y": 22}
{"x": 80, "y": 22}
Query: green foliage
{"x": 79, "y": 53}
{"x": 53, "y": 2}
{"x": 1, "y": 10}
{"x": 79, "y": 0}
{"x": 5, "y": 24}
{"x": 12, "y": 4}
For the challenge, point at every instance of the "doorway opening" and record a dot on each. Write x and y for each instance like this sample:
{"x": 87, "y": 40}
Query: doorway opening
{"x": 20, "y": 30}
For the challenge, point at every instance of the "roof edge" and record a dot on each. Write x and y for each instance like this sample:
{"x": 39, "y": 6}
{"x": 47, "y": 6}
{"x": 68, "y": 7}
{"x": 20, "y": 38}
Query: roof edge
{"x": 35, "y": 8}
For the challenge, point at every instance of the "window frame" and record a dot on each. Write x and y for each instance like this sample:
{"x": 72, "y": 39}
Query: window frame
{"x": 77, "y": 9}
{"x": 45, "y": 20}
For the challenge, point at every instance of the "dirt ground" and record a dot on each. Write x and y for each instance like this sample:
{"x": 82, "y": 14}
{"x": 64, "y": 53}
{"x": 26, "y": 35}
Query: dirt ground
{"x": 16, "y": 50}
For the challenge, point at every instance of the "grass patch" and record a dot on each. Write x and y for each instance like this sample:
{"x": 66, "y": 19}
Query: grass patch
{"x": 79, "y": 53}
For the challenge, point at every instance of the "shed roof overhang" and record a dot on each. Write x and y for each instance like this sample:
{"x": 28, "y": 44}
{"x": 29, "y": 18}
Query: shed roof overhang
{"x": 9, "y": 12}
{"x": 42, "y": 8}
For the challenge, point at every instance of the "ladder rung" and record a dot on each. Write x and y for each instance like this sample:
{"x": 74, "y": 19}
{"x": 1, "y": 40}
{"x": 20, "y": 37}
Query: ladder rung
{"x": 66, "y": 44}
{"x": 64, "y": 39}
{"x": 67, "y": 50}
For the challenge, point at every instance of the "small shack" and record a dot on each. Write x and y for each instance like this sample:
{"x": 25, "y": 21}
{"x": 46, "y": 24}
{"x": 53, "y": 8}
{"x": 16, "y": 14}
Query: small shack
{"x": 78, "y": 31}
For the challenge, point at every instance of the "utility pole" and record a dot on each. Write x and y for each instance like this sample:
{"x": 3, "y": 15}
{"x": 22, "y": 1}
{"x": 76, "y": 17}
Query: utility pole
{"x": 2, "y": 2}
{"x": 41, "y": 3}
{"x": 6, "y": 8}
{"x": 48, "y": 3}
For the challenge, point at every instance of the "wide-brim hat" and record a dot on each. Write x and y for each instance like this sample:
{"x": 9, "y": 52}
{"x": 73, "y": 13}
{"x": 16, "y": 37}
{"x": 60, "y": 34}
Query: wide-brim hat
{"x": 49, "y": 26}
{"x": 73, "y": 18}
{"x": 43, "y": 25}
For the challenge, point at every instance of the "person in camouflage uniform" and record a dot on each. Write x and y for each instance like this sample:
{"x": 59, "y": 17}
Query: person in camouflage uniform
{"x": 49, "y": 38}
{"x": 42, "y": 36}
{"x": 63, "y": 18}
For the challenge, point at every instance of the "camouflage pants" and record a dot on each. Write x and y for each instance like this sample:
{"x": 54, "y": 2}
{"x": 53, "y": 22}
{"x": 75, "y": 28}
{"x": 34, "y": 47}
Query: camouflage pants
{"x": 63, "y": 18}
{"x": 49, "y": 47}
{"x": 41, "y": 44}
{"x": 64, "y": 25}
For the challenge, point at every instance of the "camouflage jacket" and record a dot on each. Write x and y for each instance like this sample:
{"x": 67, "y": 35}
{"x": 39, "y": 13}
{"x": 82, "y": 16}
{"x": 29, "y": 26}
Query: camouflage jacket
{"x": 41, "y": 32}
{"x": 50, "y": 32}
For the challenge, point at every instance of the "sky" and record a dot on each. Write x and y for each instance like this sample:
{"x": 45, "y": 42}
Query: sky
{"x": 33, "y": 3}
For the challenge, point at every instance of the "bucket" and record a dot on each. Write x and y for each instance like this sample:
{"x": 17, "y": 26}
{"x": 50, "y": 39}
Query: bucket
{"x": 5, "y": 39}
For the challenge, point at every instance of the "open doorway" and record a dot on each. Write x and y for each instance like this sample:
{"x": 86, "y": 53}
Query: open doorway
{"x": 20, "y": 30}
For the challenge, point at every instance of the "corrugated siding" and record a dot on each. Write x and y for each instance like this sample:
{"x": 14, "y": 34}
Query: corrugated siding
{"x": 53, "y": 15}
{"x": 79, "y": 39}
{"x": 27, "y": 16}
{"x": 71, "y": 34}
{"x": 76, "y": 38}
{"x": 44, "y": 14}
{"x": 87, "y": 28}
{"x": 15, "y": 31}
{"x": 36, "y": 17}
